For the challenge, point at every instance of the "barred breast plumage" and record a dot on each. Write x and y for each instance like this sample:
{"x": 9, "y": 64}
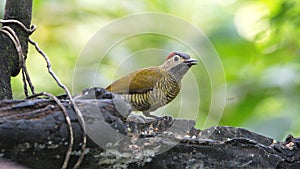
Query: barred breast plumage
{"x": 163, "y": 92}
{"x": 153, "y": 87}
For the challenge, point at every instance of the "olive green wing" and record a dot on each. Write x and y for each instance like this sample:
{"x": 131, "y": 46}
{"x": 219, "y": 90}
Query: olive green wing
{"x": 137, "y": 82}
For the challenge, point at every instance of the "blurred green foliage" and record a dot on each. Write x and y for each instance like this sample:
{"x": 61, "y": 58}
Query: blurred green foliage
{"x": 257, "y": 41}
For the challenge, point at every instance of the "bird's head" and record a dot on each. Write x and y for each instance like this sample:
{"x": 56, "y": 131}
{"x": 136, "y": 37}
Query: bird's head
{"x": 178, "y": 63}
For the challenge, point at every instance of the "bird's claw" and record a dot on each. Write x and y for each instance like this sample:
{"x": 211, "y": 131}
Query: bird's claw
{"x": 136, "y": 118}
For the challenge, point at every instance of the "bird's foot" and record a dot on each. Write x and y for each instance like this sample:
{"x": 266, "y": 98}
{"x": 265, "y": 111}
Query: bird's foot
{"x": 136, "y": 118}
{"x": 164, "y": 119}
{"x": 147, "y": 114}
{"x": 168, "y": 119}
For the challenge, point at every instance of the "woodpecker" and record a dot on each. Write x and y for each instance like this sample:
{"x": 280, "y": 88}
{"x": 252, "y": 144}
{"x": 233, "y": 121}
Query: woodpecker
{"x": 150, "y": 88}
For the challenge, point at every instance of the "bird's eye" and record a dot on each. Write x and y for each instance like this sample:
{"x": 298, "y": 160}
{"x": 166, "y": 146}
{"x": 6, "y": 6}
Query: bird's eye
{"x": 176, "y": 58}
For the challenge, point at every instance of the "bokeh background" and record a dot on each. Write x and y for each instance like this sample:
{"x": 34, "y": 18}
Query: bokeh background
{"x": 257, "y": 41}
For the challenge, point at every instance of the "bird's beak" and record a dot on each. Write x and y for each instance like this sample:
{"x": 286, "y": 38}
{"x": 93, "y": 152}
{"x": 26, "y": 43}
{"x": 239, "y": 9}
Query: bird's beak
{"x": 191, "y": 62}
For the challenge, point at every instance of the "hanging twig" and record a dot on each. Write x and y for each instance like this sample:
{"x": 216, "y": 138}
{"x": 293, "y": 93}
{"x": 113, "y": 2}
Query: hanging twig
{"x": 68, "y": 120}
{"x": 79, "y": 114}
{"x": 30, "y": 30}
{"x": 14, "y": 38}
{"x": 26, "y": 79}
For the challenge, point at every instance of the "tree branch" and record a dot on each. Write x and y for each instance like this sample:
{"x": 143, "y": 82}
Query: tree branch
{"x": 34, "y": 133}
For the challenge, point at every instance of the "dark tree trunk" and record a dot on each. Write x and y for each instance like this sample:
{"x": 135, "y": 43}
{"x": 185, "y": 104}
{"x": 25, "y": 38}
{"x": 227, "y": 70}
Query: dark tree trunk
{"x": 9, "y": 60}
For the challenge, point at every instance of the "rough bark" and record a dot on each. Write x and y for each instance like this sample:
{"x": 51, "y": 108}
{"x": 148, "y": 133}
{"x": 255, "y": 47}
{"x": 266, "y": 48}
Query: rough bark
{"x": 9, "y": 60}
{"x": 34, "y": 133}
